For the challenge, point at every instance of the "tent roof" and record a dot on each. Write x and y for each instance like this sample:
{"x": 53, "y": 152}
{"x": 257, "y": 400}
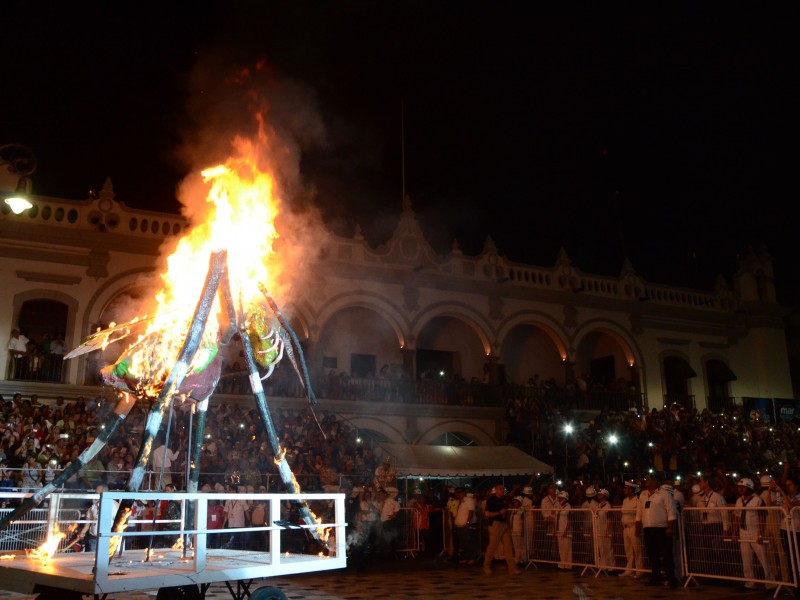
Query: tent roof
{"x": 463, "y": 461}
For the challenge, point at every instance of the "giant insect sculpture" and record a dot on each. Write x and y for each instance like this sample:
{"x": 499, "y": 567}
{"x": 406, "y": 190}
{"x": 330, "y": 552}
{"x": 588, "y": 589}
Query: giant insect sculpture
{"x": 160, "y": 366}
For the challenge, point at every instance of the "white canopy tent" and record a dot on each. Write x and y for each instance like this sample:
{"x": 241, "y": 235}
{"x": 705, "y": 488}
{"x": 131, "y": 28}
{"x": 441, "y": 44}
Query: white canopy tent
{"x": 462, "y": 461}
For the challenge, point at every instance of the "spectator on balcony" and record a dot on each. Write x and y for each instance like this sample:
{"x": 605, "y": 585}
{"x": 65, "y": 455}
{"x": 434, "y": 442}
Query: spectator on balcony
{"x": 17, "y": 348}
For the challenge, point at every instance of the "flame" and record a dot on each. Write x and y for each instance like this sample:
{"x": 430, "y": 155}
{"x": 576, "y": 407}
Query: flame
{"x": 117, "y": 539}
{"x": 243, "y": 205}
{"x": 7, "y": 557}
{"x": 179, "y": 544}
{"x": 44, "y": 552}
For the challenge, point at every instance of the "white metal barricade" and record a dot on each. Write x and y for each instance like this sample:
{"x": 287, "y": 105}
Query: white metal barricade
{"x": 721, "y": 543}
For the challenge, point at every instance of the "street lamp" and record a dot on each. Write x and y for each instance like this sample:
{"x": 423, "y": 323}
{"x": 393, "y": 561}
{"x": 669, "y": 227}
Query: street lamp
{"x": 20, "y": 163}
{"x": 567, "y": 432}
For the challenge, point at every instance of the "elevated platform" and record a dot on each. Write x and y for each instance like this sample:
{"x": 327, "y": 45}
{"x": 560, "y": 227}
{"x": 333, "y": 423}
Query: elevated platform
{"x": 142, "y": 569}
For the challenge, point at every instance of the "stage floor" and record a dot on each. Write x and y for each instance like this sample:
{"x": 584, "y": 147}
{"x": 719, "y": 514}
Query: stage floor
{"x": 165, "y": 568}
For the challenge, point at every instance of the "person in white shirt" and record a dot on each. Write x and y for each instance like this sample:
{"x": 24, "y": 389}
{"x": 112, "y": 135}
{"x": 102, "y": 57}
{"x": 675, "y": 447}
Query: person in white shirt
{"x": 584, "y": 525}
{"x": 748, "y": 527}
{"x": 18, "y": 344}
{"x": 528, "y": 517}
{"x": 604, "y": 532}
{"x": 464, "y": 523}
{"x": 634, "y": 553}
{"x": 18, "y": 348}
{"x": 655, "y": 522}
{"x": 162, "y": 458}
{"x": 564, "y": 532}
{"x": 88, "y": 533}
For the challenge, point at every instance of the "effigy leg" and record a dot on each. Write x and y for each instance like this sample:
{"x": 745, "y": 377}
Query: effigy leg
{"x": 294, "y": 349}
{"x": 283, "y": 466}
{"x": 175, "y": 378}
{"x": 121, "y": 410}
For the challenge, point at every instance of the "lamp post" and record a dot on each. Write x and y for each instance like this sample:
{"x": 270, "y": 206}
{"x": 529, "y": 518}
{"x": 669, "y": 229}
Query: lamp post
{"x": 19, "y": 163}
{"x": 567, "y": 432}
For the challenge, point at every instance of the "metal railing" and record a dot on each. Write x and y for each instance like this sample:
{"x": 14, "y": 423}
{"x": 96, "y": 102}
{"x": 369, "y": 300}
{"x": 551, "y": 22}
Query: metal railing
{"x": 709, "y": 544}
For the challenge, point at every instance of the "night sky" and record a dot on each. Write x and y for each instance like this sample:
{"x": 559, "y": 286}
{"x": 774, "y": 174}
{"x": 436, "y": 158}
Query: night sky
{"x": 671, "y": 140}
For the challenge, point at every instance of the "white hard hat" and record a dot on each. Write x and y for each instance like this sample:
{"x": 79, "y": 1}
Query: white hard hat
{"x": 563, "y": 494}
{"x": 603, "y": 492}
{"x": 590, "y": 492}
{"x": 765, "y": 480}
{"x": 747, "y": 482}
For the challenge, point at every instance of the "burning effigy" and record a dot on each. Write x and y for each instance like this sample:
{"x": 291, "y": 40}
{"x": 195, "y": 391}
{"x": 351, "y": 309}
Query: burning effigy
{"x": 216, "y": 286}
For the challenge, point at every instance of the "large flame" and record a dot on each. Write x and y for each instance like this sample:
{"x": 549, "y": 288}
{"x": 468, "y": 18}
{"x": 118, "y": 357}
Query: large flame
{"x": 243, "y": 206}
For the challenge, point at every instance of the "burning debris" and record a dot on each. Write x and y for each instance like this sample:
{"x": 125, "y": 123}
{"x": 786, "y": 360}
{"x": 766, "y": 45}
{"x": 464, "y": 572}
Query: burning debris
{"x": 45, "y": 552}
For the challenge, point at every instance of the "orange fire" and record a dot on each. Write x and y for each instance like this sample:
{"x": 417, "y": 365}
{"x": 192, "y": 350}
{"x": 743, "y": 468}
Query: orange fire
{"x": 243, "y": 205}
{"x": 117, "y": 539}
{"x": 45, "y": 552}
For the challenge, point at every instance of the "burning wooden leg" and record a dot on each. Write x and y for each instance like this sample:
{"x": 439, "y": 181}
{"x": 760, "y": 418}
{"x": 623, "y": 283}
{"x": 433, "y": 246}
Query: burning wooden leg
{"x": 121, "y": 411}
{"x": 283, "y": 466}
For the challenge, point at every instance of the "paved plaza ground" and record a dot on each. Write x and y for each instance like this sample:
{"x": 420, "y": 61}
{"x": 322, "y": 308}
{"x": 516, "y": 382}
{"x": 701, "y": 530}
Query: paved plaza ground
{"x": 438, "y": 579}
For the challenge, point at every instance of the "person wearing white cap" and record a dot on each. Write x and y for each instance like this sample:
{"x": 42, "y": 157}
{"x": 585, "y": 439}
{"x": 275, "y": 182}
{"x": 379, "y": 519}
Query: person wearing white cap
{"x": 748, "y": 529}
{"x": 634, "y": 553}
{"x": 564, "y": 532}
{"x": 528, "y": 517}
{"x": 773, "y": 499}
{"x": 655, "y": 522}
{"x": 698, "y": 496}
{"x": 584, "y": 525}
{"x": 604, "y": 532}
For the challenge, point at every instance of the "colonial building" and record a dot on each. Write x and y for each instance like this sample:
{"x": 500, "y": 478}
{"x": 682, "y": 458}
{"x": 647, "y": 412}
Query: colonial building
{"x": 406, "y": 344}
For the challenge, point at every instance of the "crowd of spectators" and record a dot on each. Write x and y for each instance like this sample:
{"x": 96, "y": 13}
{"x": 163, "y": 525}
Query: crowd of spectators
{"x": 324, "y": 452}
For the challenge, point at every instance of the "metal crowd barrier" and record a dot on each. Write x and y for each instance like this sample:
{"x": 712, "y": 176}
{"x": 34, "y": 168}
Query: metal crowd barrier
{"x": 705, "y": 545}
{"x": 408, "y": 542}
{"x": 714, "y": 551}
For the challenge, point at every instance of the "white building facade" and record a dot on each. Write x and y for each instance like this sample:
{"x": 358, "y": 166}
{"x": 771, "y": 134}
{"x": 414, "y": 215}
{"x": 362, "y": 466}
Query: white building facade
{"x": 405, "y": 343}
